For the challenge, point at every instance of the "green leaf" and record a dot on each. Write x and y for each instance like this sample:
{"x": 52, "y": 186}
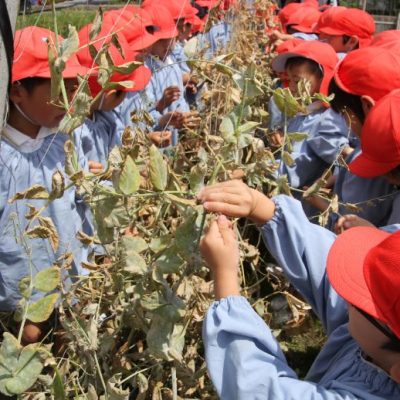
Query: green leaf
{"x": 287, "y": 159}
{"x": 165, "y": 339}
{"x": 245, "y": 140}
{"x": 41, "y": 310}
{"x": 286, "y": 102}
{"x": 97, "y": 23}
{"x": 160, "y": 243}
{"x": 283, "y": 185}
{"x": 117, "y": 44}
{"x": 133, "y": 262}
{"x": 55, "y": 71}
{"x": 227, "y": 129}
{"x": 69, "y": 45}
{"x": 47, "y": 279}
{"x": 34, "y": 192}
{"x": 58, "y": 386}
{"x": 19, "y": 367}
{"x": 248, "y": 127}
{"x": 127, "y": 68}
{"x": 191, "y": 47}
{"x": 24, "y": 287}
{"x": 118, "y": 85}
{"x": 169, "y": 262}
{"x": 134, "y": 243}
{"x": 196, "y": 177}
{"x": 158, "y": 169}
{"x": 129, "y": 178}
{"x": 297, "y": 136}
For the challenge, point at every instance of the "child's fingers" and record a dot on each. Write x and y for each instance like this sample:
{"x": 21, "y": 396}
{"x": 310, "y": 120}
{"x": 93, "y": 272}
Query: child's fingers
{"x": 226, "y": 230}
{"x": 224, "y": 208}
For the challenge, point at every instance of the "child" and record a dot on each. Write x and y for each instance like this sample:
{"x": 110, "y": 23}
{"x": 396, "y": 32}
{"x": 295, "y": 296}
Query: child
{"x": 381, "y": 126}
{"x": 357, "y": 303}
{"x": 300, "y": 25}
{"x": 165, "y": 91}
{"x": 327, "y": 131}
{"x": 345, "y": 29}
{"x": 136, "y": 26}
{"x": 32, "y": 150}
{"x": 99, "y": 134}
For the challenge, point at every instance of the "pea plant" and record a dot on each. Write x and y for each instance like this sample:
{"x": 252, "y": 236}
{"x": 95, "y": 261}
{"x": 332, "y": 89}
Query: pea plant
{"x": 132, "y": 326}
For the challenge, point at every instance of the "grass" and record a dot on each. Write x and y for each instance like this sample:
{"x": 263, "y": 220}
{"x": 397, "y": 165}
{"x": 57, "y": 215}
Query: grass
{"x": 77, "y": 17}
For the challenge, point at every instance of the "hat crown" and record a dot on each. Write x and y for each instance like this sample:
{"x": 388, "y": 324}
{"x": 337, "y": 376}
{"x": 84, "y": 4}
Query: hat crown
{"x": 382, "y": 275}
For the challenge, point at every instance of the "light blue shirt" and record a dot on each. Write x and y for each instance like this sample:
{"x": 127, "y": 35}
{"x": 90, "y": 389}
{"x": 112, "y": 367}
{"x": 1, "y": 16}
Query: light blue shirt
{"x": 354, "y": 189}
{"x": 178, "y": 56}
{"x": 97, "y": 136}
{"x": 243, "y": 357}
{"x": 164, "y": 75}
{"x": 216, "y": 39}
{"x": 327, "y": 134}
{"x": 18, "y": 172}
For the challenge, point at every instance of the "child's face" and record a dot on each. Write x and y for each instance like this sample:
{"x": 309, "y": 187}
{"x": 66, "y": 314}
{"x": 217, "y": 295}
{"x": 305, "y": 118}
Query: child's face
{"x": 302, "y": 71}
{"x": 162, "y": 48}
{"x": 184, "y": 30}
{"x": 371, "y": 340}
{"x": 37, "y": 105}
{"x": 337, "y": 42}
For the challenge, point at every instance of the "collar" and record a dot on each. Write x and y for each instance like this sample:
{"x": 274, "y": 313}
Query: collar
{"x": 24, "y": 142}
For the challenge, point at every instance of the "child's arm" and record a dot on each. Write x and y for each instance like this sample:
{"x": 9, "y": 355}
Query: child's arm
{"x": 300, "y": 247}
{"x": 243, "y": 358}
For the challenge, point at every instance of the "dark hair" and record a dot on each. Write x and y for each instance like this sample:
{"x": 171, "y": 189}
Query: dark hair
{"x": 343, "y": 100}
{"x": 346, "y": 38}
{"x": 30, "y": 83}
{"x": 313, "y": 66}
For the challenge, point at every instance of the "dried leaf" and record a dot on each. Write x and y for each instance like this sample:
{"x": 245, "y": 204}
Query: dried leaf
{"x": 34, "y": 192}
{"x": 47, "y": 223}
{"x": 57, "y": 185}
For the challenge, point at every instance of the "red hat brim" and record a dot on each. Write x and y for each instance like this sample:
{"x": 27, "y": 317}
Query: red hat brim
{"x": 345, "y": 266}
{"x": 366, "y": 168}
{"x": 69, "y": 72}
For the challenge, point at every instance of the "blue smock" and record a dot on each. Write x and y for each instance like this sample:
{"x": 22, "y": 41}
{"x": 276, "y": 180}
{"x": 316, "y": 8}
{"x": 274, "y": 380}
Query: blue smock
{"x": 19, "y": 170}
{"x": 353, "y": 189}
{"x": 178, "y": 56}
{"x": 243, "y": 357}
{"x": 97, "y": 136}
{"x": 327, "y": 134}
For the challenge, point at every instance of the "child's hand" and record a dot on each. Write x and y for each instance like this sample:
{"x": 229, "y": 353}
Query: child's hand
{"x": 191, "y": 87}
{"x": 171, "y": 94}
{"x": 350, "y": 221}
{"x": 220, "y": 249}
{"x": 95, "y": 167}
{"x": 190, "y": 120}
{"x": 161, "y": 139}
{"x": 236, "y": 199}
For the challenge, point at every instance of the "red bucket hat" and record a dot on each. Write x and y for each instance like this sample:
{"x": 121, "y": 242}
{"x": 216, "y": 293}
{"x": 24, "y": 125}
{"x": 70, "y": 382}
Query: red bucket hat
{"x": 321, "y": 53}
{"x": 132, "y": 22}
{"x": 363, "y": 267}
{"x": 179, "y": 9}
{"x": 209, "y": 4}
{"x": 287, "y": 11}
{"x": 304, "y": 19}
{"x": 372, "y": 71}
{"x": 380, "y": 139}
{"x": 140, "y": 76}
{"x": 163, "y": 21}
{"x": 31, "y": 55}
{"x": 347, "y": 21}
{"x": 389, "y": 39}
